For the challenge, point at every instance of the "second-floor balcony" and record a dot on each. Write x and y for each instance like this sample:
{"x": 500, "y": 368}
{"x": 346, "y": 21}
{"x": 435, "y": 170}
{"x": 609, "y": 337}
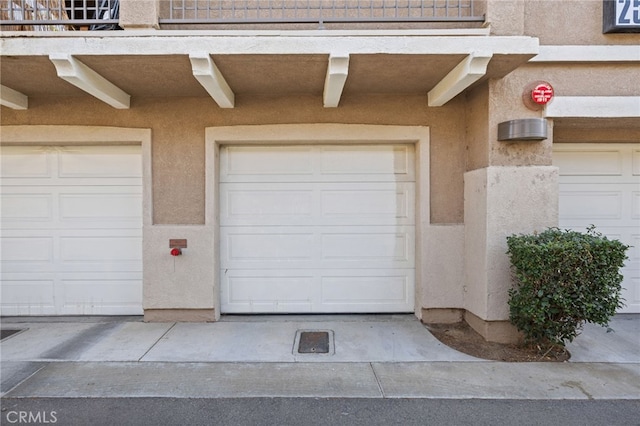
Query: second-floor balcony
{"x": 59, "y": 15}
{"x": 317, "y": 11}
{"x": 66, "y": 15}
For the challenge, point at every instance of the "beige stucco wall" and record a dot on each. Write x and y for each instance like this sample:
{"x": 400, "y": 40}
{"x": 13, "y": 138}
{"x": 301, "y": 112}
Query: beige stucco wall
{"x": 501, "y": 201}
{"x": 505, "y": 103}
{"x": 570, "y": 22}
{"x": 178, "y": 134}
{"x": 586, "y": 79}
{"x": 489, "y": 105}
{"x": 589, "y": 80}
{"x": 441, "y": 264}
{"x": 505, "y": 17}
{"x": 184, "y": 288}
{"x": 477, "y": 128}
{"x": 181, "y": 282}
{"x": 554, "y": 22}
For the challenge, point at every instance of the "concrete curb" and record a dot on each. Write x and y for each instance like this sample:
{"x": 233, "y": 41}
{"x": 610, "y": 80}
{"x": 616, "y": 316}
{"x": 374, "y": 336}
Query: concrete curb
{"x": 444, "y": 380}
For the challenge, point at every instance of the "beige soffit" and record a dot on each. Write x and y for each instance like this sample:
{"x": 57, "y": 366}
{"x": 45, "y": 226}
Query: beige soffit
{"x": 75, "y": 72}
{"x": 478, "y": 49}
{"x": 12, "y": 98}
{"x": 210, "y": 77}
{"x": 594, "y": 107}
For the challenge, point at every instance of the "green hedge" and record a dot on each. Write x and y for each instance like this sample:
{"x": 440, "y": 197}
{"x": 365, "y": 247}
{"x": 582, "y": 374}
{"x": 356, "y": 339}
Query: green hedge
{"x": 562, "y": 280}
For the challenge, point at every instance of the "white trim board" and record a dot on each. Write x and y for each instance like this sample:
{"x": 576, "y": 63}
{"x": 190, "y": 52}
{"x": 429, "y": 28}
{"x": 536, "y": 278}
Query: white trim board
{"x": 270, "y": 45}
{"x": 594, "y": 107}
{"x": 599, "y": 53}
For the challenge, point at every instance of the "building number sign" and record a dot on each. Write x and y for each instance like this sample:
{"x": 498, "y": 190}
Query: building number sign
{"x": 542, "y": 93}
{"x": 621, "y": 16}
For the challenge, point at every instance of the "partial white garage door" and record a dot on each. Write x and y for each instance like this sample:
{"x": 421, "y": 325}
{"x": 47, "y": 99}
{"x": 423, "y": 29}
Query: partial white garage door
{"x": 317, "y": 228}
{"x": 600, "y": 185}
{"x": 71, "y": 230}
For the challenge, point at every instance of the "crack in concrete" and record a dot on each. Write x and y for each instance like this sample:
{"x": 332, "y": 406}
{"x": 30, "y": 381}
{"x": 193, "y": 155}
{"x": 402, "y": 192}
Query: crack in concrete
{"x": 157, "y": 341}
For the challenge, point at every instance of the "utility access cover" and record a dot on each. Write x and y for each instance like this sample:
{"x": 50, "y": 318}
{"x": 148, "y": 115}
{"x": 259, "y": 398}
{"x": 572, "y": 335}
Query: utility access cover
{"x": 314, "y": 342}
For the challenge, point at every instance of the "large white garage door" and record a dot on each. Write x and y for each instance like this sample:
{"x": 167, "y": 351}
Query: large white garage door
{"x": 600, "y": 185}
{"x": 317, "y": 228}
{"x": 71, "y": 230}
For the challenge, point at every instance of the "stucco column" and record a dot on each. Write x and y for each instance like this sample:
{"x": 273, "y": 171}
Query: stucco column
{"x": 509, "y": 188}
{"x": 501, "y": 201}
{"x": 139, "y": 14}
{"x": 179, "y": 288}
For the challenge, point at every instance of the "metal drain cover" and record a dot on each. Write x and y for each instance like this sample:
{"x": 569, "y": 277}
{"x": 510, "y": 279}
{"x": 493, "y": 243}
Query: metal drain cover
{"x": 313, "y": 342}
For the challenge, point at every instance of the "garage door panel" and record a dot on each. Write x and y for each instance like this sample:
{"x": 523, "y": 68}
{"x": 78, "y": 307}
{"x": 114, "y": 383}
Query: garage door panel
{"x": 323, "y": 228}
{"x": 589, "y": 162}
{"x": 268, "y": 291}
{"x": 24, "y": 252}
{"x": 317, "y": 247}
{"x": 631, "y": 295}
{"x": 634, "y": 250}
{"x": 99, "y": 162}
{"x": 370, "y": 160}
{"x": 368, "y": 204}
{"x": 248, "y": 163}
{"x": 368, "y": 289}
{"x": 93, "y": 296}
{"x": 71, "y": 215}
{"x": 105, "y": 250}
{"x": 300, "y": 204}
{"x": 58, "y": 207}
{"x": 25, "y": 162}
{"x": 55, "y": 165}
{"x": 255, "y": 248}
{"x": 27, "y": 296}
{"x": 594, "y": 205}
{"x": 20, "y": 207}
{"x": 351, "y": 163}
{"x": 318, "y": 290}
{"x": 103, "y": 207}
{"x": 372, "y": 249}
{"x": 266, "y": 204}
{"x": 600, "y": 185}
{"x": 599, "y": 201}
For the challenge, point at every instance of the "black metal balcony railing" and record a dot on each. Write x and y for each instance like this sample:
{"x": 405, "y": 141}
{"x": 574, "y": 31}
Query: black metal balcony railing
{"x": 59, "y": 15}
{"x": 316, "y": 11}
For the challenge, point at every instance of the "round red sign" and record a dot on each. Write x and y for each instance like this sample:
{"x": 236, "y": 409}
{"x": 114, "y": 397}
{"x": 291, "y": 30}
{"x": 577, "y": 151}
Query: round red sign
{"x": 542, "y": 93}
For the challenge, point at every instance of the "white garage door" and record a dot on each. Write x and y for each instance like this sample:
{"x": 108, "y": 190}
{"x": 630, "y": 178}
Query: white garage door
{"x": 317, "y": 228}
{"x": 600, "y": 185}
{"x": 71, "y": 230}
